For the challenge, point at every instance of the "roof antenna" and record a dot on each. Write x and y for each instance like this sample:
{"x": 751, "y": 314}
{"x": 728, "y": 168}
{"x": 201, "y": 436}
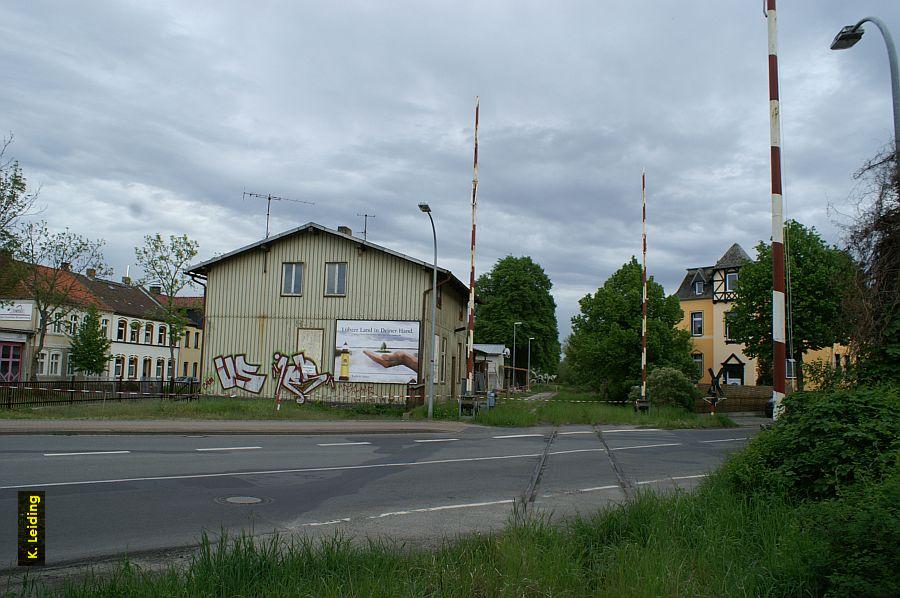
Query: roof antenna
{"x": 365, "y": 218}
{"x": 269, "y": 199}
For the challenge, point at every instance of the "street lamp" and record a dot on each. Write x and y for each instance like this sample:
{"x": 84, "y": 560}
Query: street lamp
{"x": 427, "y": 209}
{"x": 528, "y": 380}
{"x": 849, "y": 35}
{"x": 514, "y": 353}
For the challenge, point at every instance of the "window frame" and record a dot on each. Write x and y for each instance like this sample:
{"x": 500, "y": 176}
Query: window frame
{"x": 693, "y": 332}
{"x": 160, "y": 368}
{"x": 729, "y": 287}
{"x": 697, "y": 293}
{"x": 104, "y": 327}
{"x": 132, "y": 366}
{"x": 119, "y": 366}
{"x": 122, "y": 330}
{"x": 727, "y": 332}
{"x": 162, "y": 335}
{"x": 699, "y": 363}
{"x": 337, "y": 278}
{"x": 148, "y": 333}
{"x": 55, "y": 363}
{"x": 293, "y": 277}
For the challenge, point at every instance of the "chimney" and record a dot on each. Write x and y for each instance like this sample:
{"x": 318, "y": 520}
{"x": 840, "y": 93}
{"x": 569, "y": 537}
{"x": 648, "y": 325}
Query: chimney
{"x": 156, "y": 290}
{"x": 126, "y": 280}
{"x": 91, "y": 272}
{"x": 345, "y": 230}
{"x": 66, "y": 266}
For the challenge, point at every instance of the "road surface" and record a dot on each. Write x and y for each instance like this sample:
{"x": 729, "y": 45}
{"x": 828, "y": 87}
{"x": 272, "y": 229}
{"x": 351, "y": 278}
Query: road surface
{"x": 116, "y": 494}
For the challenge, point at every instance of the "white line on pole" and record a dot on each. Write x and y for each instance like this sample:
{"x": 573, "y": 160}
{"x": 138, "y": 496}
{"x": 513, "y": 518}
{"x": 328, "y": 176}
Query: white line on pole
{"x": 87, "y": 453}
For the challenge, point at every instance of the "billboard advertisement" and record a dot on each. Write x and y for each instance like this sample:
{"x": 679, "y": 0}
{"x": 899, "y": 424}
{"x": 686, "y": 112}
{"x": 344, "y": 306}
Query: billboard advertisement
{"x": 385, "y": 351}
{"x": 15, "y": 311}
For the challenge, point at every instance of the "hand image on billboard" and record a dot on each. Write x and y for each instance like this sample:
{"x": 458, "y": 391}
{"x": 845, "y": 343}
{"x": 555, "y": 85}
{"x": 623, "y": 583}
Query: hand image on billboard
{"x": 388, "y": 360}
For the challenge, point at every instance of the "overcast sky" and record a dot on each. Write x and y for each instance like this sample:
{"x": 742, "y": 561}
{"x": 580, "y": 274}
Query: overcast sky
{"x": 144, "y": 117}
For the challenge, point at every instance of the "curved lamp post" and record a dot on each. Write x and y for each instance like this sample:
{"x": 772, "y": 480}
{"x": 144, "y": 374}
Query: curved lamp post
{"x": 427, "y": 209}
{"x": 847, "y": 38}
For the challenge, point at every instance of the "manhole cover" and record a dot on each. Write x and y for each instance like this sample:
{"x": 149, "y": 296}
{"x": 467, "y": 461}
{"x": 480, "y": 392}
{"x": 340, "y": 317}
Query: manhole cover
{"x": 241, "y": 500}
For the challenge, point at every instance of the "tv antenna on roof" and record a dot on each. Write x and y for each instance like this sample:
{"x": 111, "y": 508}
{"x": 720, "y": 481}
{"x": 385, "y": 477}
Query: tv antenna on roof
{"x": 365, "y": 218}
{"x": 269, "y": 199}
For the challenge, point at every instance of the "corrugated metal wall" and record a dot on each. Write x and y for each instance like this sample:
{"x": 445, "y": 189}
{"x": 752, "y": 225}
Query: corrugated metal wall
{"x": 247, "y": 315}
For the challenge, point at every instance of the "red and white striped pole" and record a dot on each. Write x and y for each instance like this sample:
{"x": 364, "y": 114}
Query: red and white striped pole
{"x": 644, "y": 292}
{"x": 470, "y": 349}
{"x": 778, "y": 328}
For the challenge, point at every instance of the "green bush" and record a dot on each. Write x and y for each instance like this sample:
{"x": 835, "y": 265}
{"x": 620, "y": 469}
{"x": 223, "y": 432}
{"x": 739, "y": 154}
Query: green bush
{"x": 825, "y": 441}
{"x": 668, "y": 386}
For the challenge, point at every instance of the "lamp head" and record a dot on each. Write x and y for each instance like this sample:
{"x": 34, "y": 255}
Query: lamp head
{"x": 517, "y": 323}
{"x": 425, "y": 207}
{"x": 847, "y": 37}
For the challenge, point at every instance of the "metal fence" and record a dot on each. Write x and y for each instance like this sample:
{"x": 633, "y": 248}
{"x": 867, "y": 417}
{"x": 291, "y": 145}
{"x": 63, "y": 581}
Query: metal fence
{"x": 70, "y": 392}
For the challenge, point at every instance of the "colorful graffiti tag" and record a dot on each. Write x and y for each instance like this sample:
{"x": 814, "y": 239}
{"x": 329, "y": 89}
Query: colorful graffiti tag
{"x": 297, "y": 374}
{"x": 234, "y": 371}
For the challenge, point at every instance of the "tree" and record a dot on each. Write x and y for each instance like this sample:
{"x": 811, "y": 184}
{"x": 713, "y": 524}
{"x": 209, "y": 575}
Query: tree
{"x": 164, "y": 263}
{"x": 872, "y": 306}
{"x": 820, "y": 275}
{"x": 604, "y": 349}
{"x": 15, "y": 200}
{"x": 518, "y": 290}
{"x": 89, "y": 350}
{"x": 45, "y": 264}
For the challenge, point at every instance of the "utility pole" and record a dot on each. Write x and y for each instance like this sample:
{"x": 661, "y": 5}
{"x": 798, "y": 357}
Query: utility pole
{"x": 269, "y": 199}
{"x": 778, "y": 327}
{"x": 644, "y": 404}
{"x": 365, "y": 218}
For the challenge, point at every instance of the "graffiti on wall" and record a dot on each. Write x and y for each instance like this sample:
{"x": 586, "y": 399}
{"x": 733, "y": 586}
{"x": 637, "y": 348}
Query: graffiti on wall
{"x": 234, "y": 372}
{"x": 297, "y": 374}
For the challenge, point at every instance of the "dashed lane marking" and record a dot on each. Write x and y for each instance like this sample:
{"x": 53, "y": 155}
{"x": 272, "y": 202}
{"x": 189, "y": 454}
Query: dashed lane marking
{"x": 341, "y": 443}
{"x": 443, "y": 508}
{"x": 87, "y": 453}
{"x": 642, "y": 446}
{"x": 230, "y": 448}
{"x": 518, "y": 436}
{"x": 437, "y": 440}
{"x": 723, "y": 440}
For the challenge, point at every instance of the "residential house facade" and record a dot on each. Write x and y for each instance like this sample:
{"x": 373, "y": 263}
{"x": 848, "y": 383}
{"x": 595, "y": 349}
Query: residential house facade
{"x": 316, "y": 312}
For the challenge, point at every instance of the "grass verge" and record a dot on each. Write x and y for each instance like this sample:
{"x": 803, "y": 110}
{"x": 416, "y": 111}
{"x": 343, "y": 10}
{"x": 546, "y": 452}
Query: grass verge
{"x": 712, "y": 543}
{"x": 205, "y": 408}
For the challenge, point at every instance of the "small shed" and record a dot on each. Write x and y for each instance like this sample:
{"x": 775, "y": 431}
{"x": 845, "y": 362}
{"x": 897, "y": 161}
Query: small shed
{"x": 489, "y": 373}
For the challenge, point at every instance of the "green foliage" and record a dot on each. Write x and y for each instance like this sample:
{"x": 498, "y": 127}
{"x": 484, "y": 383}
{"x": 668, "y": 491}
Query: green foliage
{"x": 823, "y": 375}
{"x": 862, "y": 533}
{"x": 820, "y": 276}
{"x": 89, "y": 350}
{"x": 668, "y": 386}
{"x": 604, "y": 349}
{"x": 824, "y": 442}
{"x": 518, "y": 290}
{"x": 15, "y": 200}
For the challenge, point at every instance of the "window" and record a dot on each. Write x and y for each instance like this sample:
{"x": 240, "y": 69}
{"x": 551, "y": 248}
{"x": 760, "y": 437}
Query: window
{"x": 196, "y": 340}
{"x": 194, "y": 370}
{"x": 698, "y": 363}
{"x": 132, "y": 366}
{"x": 57, "y": 325}
{"x": 104, "y": 327}
{"x": 70, "y": 365}
{"x": 728, "y": 327}
{"x": 54, "y": 364}
{"x": 696, "y": 323}
{"x": 147, "y": 368}
{"x": 443, "y": 358}
{"x": 170, "y": 371}
{"x": 42, "y": 356}
{"x": 184, "y": 369}
{"x": 698, "y": 287}
{"x": 148, "y": 334}
{"x": 119, "y": 366}
{"x": 73, "y": 323}
{"x": 161, "y": 335}
{"x": 292, "y": 278}
{"x": 336, "y": 279}
{"x": 121, "y": 327}
{"x": 187, "y": 339}
{"x": 160, "y": 366}
{"x": 731, "y": 281}
{"x": 135, "y": 327}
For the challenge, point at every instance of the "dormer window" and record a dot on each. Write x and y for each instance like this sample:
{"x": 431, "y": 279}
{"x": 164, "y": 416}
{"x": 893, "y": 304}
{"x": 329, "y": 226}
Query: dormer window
{"x": 698, "y": 287}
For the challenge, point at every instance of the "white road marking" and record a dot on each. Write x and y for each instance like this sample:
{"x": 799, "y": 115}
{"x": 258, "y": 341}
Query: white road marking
{"x": 518, "y": 436}
{"x": 723, "y": 440}
{"x": 272, "y": 471}
{"x": 341, "y": 443}
{"x": 632, "y": 430}
{"x": 87, "y": 453}
{"x": 578, "y": 432}
{"x": 690, "y": 477}
{"x": 590, "y": 450}
{"x": 230, "y": 448}
{"x": 640, "y": 446}
{"x": 438, "y": 440}
{"x": 598, "y": 488}
{"x": 443, "y": 508}
{"x": 652, "y": 481}
{"x": 318, "y": 523}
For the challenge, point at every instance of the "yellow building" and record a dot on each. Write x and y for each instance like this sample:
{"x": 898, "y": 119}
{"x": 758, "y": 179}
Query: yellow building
{"x": 706, "y": 296}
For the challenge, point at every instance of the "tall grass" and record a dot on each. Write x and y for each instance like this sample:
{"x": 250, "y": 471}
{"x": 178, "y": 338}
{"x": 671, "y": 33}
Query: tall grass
{"x": 711, "y": 543}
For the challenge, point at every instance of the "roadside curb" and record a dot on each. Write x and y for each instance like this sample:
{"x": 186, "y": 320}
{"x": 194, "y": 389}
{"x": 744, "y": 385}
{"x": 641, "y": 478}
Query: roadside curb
{"x": 212, "y": 427}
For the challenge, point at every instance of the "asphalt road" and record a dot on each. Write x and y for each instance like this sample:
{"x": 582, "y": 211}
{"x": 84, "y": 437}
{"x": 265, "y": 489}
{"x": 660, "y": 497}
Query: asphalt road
{"x": 111, "y": 495}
